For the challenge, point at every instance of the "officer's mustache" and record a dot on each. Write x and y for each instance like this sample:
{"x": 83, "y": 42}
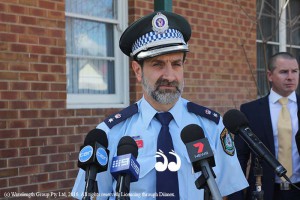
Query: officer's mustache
{"x": 164, "y": 82}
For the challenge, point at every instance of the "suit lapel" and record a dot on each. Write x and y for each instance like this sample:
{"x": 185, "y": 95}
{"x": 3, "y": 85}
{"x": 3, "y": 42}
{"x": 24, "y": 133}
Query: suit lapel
{"x": 298, "y": 113}
{"x": 267, "y": 123}
{"x": 297, "y": 137}
{"x": 298, "y": 103}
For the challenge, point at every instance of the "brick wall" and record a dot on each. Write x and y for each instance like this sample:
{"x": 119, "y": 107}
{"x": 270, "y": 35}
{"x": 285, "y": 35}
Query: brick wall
{"x": 40, "y": 138}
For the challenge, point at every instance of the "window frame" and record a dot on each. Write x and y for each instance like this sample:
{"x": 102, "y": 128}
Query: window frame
{"x": 121, "y": 97}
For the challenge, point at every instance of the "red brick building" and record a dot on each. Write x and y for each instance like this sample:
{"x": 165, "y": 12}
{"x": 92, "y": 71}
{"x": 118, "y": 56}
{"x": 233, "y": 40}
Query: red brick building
{"x": 40, "y": 134}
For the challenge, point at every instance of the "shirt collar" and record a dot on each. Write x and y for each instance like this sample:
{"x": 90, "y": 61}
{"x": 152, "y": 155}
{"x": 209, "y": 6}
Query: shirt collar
{"x": 148, "y": 112}
{"x": 177, "y": 111}
{"x": 274, "y": 97}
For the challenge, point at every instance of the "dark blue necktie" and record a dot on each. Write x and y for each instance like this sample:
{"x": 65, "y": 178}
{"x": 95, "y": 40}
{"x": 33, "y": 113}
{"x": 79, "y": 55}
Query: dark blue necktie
{"x": 166, "y": 181}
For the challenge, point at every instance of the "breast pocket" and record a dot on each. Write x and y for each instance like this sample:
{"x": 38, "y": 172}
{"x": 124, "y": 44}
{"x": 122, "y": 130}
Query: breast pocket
{"x": 147, "y": 163}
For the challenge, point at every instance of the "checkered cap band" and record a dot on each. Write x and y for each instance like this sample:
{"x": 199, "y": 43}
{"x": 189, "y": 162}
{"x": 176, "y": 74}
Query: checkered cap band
{"x": 153, "y": 38}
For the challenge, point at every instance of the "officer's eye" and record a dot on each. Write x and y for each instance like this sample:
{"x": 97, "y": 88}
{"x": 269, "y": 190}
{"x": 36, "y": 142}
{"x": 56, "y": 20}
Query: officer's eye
{"x": 177, "y": 64}
{"x": 157, "y": 64}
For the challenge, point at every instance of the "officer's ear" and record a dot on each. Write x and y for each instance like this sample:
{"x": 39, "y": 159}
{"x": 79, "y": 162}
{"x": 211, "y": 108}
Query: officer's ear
{"x": 137, "y": 68}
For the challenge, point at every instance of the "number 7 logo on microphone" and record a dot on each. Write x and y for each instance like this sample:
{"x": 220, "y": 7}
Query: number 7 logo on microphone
{"x": 200, "y": 146}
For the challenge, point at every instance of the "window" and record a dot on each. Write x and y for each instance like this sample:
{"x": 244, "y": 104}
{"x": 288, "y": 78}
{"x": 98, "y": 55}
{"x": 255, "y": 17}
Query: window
{"x": 97, "y": 70}
{"x": 278, "y": 29}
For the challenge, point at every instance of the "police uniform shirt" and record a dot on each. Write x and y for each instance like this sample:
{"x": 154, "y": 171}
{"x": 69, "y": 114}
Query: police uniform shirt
{"x": 144, "y": 128}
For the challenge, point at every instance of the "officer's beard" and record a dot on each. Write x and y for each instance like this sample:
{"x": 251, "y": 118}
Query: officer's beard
{"x": 163, "y": 96}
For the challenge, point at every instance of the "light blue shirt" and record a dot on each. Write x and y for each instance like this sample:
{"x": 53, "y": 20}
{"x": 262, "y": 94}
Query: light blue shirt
{"x": 275, "y": 108}
{"x": 143, "y": 126}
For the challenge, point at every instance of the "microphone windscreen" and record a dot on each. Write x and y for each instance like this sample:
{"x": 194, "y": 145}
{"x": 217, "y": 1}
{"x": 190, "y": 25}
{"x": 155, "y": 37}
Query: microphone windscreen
{"x": 191, "y": 132}
{"x": 96, "y": 135}
{"x": 234, "y": 119}
{"x": 127, "y": 145}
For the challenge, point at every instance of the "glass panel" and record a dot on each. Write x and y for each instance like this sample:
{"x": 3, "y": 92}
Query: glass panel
{"x": 264, "y": 51}
{"x": 90, "y": 76}
{"x": 94, "y": 8}
{"x": 267, "y": 20}
{"x": 293, "y": 22}
{"x": 88, "y": 38}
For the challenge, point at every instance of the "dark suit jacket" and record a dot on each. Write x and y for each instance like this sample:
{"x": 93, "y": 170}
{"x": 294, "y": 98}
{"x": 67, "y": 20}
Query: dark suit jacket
{"x": 258, "y": 114}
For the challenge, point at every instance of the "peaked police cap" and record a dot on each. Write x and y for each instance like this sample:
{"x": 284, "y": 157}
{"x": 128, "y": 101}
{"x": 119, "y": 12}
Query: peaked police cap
{"x": 158, "y": 33}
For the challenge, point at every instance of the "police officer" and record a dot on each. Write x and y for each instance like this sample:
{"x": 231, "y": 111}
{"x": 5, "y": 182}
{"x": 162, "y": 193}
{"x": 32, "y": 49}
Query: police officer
{"x": 157, "y": 43}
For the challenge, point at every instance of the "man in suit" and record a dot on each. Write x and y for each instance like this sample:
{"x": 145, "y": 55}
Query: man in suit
{"x": 263, "y": 114}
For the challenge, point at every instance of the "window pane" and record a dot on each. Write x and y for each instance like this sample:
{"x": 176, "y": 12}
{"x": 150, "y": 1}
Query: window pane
{"x": 262, "y": 81}
{"x": 88, "y": 38}
{"x": 267, "y": 20}
{"x": 88, "y": 43}
{"x": 94, "y": 8}
{"x": 90, "y": 76}
{"x": 293, "y": 22}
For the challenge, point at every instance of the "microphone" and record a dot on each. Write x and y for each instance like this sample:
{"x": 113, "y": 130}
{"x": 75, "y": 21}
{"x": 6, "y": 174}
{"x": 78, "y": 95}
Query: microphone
{"x": 201, "y": 156}
{"x": 124, "y": 167}
{"x": 237, "y": 123}
{"x": 93, "y": 158}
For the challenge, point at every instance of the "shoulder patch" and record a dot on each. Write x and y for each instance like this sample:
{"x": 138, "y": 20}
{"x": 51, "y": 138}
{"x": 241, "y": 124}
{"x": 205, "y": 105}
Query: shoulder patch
{"x": 203, "y": 112}
{"x": 116, "y": 118}
{"x": 227, "y": 142}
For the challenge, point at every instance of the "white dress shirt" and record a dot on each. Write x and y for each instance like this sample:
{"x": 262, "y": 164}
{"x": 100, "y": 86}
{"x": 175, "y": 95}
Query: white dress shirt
{"x": 275, "y": 108}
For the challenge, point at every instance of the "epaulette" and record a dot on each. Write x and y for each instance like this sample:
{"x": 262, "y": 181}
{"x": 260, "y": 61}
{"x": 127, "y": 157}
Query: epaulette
{"x": 203, "y": 112}
{"x": 116, "y": 118}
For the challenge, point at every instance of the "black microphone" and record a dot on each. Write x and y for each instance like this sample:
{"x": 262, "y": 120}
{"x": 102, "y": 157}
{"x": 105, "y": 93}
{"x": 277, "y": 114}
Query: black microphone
{"x": 124, "y": 167}
{"x": 237, "y": 123}
{"x": 201, "y": 156}
{"x": 93, "y": 158}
